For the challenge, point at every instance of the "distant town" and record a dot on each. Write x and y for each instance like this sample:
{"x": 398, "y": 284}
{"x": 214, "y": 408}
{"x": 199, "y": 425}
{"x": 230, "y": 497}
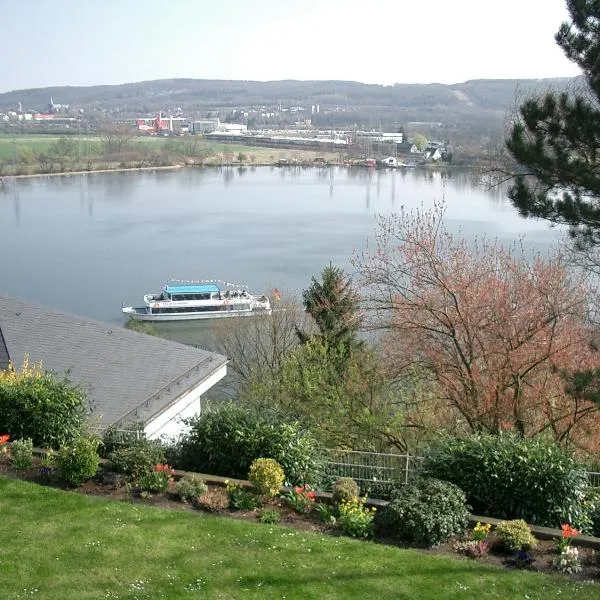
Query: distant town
{"x": 277, "y": 126}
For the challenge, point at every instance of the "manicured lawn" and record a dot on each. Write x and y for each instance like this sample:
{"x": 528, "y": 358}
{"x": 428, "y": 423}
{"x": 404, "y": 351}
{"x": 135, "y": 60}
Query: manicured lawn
{"x": 62, "y": 545}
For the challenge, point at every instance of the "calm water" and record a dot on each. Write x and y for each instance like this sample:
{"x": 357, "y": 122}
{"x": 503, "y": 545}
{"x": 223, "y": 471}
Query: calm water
{"x": 87, "y": 243}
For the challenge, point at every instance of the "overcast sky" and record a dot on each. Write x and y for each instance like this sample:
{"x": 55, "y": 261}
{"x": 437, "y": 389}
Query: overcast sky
{"x": 85, "y": 42}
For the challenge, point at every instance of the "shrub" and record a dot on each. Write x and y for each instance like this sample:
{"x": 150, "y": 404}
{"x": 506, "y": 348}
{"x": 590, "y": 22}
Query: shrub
{"x": 472, "y": 548}
{"x": 137, "y": 459}
{"x": 78, "y": 462}
{"x": 21, "y": 453}
{"x": 514, "y": 535}
{"x": 592, "y": 504}
{"x": 345, "y": 489}
{"x": 113, "y": 439}
{"x": 36, "y": 404}
{"x": 190, "y": 487}
{"x": 271, "y": 516}
{"x": 215, "y": 500}
{"x": 355, "y": 519}
{"x": 509, "y": 477}
{"x": 426, "y": 511}
{"x": 239, "y": 498}
{"x": 155, "y": 481}
{"x": 267, "y": 477}
{"x": 224, "y": 441}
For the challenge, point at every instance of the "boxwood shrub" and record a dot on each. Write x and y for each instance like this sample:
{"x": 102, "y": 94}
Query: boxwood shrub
{"x": 426, "y": 511}
{"x": 509, "y": 477}
{"x": 227, "y": 439}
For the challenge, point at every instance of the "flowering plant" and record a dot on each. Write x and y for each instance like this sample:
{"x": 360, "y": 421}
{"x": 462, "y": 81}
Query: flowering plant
{"x": 564, "y": 541}
{"x": 480, "y": 532}
{"x": 472, "y": 548}
{"x": 301, "y": 499}
{"x": 4, "y": 439}
{"x": 239, "y": 498}
{"x": 568, "y": 561}
{"x": 157, "y": 480}
{"x": 164, "y": 468}
{"x": 355, "y": 518}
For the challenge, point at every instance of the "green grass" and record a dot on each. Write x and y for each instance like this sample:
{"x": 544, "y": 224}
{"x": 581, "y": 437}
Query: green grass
{"x": 62, "y": 545}
{"x": 91, "y": 146}
{"x": 37, "y": 143}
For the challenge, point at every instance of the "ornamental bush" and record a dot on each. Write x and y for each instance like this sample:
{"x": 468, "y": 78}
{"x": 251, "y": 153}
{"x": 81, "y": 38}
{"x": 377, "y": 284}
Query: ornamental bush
{"x": 190, "y": 487}
{"x": 21, "y": 454}
{"x": 137, "y": 459}
{"x": 156, "y": 481}
{"x": 514, "y": 535}
{"x": 508, "y": 477}
{"x": 427, "y": 511}
{"x": 226, "y": 440}
{"x": 267, "y": 476}
{"x": 79, "y": 461}
{"x": 345, "y": 489}
{"x": 36, "y": 404}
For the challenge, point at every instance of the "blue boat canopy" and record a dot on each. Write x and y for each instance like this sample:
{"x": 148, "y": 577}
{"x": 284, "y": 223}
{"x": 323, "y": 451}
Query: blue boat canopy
{"x": 191, "y": 289}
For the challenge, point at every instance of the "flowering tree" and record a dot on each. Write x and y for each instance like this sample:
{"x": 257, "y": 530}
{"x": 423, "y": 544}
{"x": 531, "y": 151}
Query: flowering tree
{"x": 491, "y": 327}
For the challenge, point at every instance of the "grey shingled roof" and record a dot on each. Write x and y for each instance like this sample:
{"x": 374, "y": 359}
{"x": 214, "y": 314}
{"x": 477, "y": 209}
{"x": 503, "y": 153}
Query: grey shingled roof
{"x": 129, "y": 376}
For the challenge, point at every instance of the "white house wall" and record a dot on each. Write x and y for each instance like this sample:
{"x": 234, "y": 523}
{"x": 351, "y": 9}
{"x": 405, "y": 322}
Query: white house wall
{"x": 170, "y": 422}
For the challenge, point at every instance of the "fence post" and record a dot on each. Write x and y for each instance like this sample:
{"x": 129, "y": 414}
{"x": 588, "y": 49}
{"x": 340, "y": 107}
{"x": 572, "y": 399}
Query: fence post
{"x": 407, "y": 467}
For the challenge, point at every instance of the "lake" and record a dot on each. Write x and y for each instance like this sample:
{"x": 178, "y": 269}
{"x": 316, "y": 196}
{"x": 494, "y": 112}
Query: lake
{"x": 87, "y": 243}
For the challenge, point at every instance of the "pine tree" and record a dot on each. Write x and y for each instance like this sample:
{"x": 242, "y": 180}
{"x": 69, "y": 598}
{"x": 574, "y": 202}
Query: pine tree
{"x": 333, "y": 305}
{"x": 556, "y": 138}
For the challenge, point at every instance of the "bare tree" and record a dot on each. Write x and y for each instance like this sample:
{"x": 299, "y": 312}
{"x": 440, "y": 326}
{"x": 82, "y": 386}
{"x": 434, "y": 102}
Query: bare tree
{"x": 115, "y": 138}
{"x": 259, "y": 344}
{"x": 491, "y": 326}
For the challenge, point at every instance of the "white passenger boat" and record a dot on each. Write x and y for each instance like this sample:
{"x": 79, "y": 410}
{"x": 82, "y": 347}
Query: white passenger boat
{"x": 185, "y": 301}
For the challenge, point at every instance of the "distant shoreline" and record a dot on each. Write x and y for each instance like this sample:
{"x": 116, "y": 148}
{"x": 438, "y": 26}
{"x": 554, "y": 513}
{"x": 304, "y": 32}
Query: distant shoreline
{"x": 116, "y": 170}
{"x": 204, "y": 166}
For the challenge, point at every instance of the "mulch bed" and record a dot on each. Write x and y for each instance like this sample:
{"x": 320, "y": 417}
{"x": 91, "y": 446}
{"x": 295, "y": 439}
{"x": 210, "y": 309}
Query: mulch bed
{"x": 112, "y": 486}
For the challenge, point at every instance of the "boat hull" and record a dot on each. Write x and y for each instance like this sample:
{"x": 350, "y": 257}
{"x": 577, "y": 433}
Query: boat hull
{"x": 142, "y": 314}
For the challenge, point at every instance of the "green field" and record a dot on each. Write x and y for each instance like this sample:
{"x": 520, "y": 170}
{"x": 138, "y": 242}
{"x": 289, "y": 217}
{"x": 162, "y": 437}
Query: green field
{"x": 62, "y": 545}
{"x": 16, "y": 149}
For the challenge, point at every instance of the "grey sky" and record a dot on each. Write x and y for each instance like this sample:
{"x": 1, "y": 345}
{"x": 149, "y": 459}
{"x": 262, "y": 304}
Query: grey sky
{"x": 80, "y": 42}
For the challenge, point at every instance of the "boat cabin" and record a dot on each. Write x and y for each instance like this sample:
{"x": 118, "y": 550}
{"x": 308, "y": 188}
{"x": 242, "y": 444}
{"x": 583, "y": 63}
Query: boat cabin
{"x": 191, "y": 292}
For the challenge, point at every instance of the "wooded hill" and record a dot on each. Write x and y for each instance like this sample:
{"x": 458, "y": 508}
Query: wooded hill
{"x": 200, "y": 94}
{"x": 472, "y": 113}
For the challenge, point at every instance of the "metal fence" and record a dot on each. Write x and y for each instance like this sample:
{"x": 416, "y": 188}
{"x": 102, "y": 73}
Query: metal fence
{"x": 369, "y": 469}
{"x": 372, "y": 467}
{"x": 593, "y": 478}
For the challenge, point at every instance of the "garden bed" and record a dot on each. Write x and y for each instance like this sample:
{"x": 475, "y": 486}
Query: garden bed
{"x": 114, "y": 487}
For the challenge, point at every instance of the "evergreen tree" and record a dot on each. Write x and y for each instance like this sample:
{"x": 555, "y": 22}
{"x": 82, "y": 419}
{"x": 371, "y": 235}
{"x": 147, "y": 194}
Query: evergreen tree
{"x": 333, "y": 305}
{"x": 556, "y": 138}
